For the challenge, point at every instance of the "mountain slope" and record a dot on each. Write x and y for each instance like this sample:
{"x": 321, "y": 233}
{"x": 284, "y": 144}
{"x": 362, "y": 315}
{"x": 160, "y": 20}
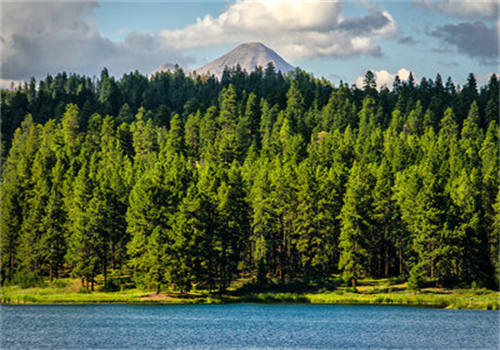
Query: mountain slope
{"x": 248, "y": 56}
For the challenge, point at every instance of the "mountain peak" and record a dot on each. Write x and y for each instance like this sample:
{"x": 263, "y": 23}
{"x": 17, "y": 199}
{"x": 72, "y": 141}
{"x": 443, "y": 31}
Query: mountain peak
{"x": 248, "y": 56}
{"x": 255, "y": 44}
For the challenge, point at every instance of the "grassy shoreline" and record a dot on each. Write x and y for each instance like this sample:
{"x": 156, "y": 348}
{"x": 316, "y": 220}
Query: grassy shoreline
{"x": 479, "y": 299}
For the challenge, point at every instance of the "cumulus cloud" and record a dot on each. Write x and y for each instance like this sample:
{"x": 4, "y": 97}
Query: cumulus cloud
{"x": 384, "y": 78}
{"x": 48, "y": 37}
{"x": 10, "y": 84}
{"x": 296, "y": 29}
{"x": 483, "y": 79}
{"x": 485, "y": 9}
{"x": 475, "y": 40}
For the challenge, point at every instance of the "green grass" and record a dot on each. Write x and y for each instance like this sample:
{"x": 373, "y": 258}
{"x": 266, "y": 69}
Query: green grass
{"x": 373, "y": 292}
{"x": 453, "y": 299}
{"x": 51, "y": 295}
{"x": 458, "y": 299}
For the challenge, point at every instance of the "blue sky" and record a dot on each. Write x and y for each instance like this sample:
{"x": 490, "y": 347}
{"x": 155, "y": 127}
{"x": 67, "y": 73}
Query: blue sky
{"x": 336, "y": 40}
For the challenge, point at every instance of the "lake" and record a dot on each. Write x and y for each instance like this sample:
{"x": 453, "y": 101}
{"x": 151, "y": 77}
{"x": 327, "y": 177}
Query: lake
{"x": 250, "y": 326}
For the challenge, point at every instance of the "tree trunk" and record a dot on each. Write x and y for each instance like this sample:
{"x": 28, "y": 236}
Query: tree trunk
{"x": 50, "y": 273}
{"x": 386, "y": 266}
{"x": 158, "y": 287}
{"x": 400, "y": 263}
{"x": 105, "y": 273}
{"x": 283, "y": 252}
{"x": 113, "y": 255}
{"x": 11, "y": 265}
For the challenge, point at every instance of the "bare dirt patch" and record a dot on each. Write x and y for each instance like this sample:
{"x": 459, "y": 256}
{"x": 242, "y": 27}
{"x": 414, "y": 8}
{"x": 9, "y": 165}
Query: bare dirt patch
{"x": 160, "y": 296}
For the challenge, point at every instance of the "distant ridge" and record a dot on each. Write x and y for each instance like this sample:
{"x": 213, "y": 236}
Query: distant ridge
{"x": 248, "y": 56}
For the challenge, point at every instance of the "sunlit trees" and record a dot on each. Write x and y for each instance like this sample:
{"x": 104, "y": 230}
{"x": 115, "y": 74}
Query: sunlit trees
{"x": 193, "y": 182}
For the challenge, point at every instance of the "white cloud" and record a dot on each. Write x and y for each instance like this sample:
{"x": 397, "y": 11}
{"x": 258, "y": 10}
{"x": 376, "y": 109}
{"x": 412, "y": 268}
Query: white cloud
{"x": 483, "y": 79}
{"x": 49, "y": 37}
{"x": 296, "y": 29}
{"x": 486, "y": 9}
{"x": 8, "y": 84}
{"x": 384, "y": 78}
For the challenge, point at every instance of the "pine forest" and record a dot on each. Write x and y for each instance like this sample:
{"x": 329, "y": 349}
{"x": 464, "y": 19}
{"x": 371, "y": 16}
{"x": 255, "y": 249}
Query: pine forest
{"x": 184, "y": 181}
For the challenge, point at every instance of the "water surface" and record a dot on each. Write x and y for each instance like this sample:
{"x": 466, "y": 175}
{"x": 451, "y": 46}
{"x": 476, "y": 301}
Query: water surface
{"x": 245, "y": 326}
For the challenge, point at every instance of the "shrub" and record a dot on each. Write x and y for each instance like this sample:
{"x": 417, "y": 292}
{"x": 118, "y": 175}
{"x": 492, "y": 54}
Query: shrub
{"x": 396, "y": 280}
{"x": 112, "y": 285}
{"x": 139, "y": 280}
{"x": 334, "y": 282}
{"x": 59, "y": 284}
{"x": 416, "y": 279}
{"x": 28, "y": 280}
{"x": 83, "y": 290}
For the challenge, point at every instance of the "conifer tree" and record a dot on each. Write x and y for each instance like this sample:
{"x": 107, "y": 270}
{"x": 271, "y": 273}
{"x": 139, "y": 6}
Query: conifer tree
{"x": 356, "y": 224}
{"x": 53, "y": 242}
{"x": 16, "y": 176}
{"x": 264, "y": 220}
{"x": 232, "y": 234}
{"x": 315, "y": 232}
{"x": 192, "y": 135}
{"x": 79, "y": 255}
{"x": 295, "y": 108}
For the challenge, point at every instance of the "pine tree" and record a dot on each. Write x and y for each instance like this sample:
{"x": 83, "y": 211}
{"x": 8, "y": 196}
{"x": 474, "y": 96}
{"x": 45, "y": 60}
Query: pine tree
{"x": 232, "y": 234}
{"x": 208, "y": 134}
{"x": 252, "y": 114}
{"x": 489, "y": 197}
{"x": 295, "y": 109}
{"x": 389, "y": 234}
{"x": 16, "y": 184}
{"x": 422, "y": 200}
{"x": 264, "y": 220}
{"x": 54, "y": 241}
{"x": 227, "y": 140}
{"x": 175, "y": 137}
{"x": 356, "y": 225}
{"x": 283, "y": 179}
{"x": 81, "y": 255}
{"x": 192, "y": 135}
{"x": 315, "y": 227}
{"x": 471, "y": 137}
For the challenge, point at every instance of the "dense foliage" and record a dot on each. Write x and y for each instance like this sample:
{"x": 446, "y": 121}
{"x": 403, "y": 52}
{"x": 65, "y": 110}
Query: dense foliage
{"x": 190, "y": 180}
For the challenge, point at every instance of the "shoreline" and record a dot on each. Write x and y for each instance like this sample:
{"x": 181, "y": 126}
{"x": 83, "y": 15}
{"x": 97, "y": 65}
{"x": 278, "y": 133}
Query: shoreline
{"x": 456, "y": 299}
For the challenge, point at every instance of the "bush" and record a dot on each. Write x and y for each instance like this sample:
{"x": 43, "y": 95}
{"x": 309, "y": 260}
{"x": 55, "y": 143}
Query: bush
{"x": 416, "y": 279}
{"x": 112, "y": 285}
{"x": 28, "y": 280}
{"x": 83, "y": 290}
{"x": 139, "y": 280}
{"x": 61, "y": 284}
{"x": 396, "y": 280}
{"x": 333, "y": 282}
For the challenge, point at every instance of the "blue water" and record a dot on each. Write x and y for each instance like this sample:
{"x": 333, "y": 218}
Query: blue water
{"x": 245, "y": 326}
